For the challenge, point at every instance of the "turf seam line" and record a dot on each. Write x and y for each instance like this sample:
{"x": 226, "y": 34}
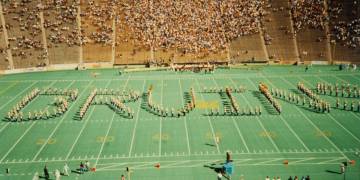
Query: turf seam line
{"x": 261, "y": 124}
{"x": 338, "y": 123}
{"x": 27, "y": 130}
{"x": 107, "y": 133}
{"x": 209, "y": 119}
{"x": 291, "y": 129}
{"x": 59, "y": 123}
{"x": 82, "y": 129}
{"x": 136, "y": 122}
{"x": 18, "y": 94}
{"x": 161, "y": 118}
{"x": 185, "y": 123}
{"x": 315, "y": 126}
{"x": 236, "y": 125}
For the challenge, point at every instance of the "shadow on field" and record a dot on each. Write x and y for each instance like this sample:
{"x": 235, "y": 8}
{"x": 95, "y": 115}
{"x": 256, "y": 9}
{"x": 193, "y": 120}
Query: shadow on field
{"x": 333, "y": 172}
{"x": 266, "y": 104}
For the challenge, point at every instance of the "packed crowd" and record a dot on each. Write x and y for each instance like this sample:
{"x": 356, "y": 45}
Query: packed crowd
{"x": 191, "y": 26}
{"x": 63, "y": 27}
{"x": 265, "y": 91}
{"x": 308, "y": 14}
{"x": 24, "y": 22}
{"x": 100, "y": 16}
{"x": 165, "y": 112}
{"x": 346, "y": 30}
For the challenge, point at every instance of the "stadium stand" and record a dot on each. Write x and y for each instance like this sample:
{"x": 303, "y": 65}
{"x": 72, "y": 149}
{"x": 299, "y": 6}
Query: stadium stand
{"x": 63, "y": 36}
{"x": 96, "y": 24}
{"x": 343, "y": 12}
{"x": 279, "y": 34}
{"x": 103, "y": 31}
{"x": 24, "y": 31}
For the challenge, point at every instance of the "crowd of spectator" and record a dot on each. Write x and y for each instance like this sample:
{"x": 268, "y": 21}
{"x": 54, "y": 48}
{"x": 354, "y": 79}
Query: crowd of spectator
{"x": 192, "y": 26}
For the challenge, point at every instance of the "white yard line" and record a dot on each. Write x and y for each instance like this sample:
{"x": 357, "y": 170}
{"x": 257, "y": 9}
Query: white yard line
{"x": 12, "y": 100}
{"x": 17, "y": 142}
{"x": 122, "y": 158}
{"x": 108, "y": 130}
{"x": 291, "y": 129}
{"x": 234, "y": 122}
{"x": 59, "y": 123}
{"x": 162, "y": 105}
{"x": 185, "y": 124}
{"x": 26, "y": 131}
{"x": 136, "y": 122}
{"x": 271, "y": 160}
{"x": 236, "y": 125}
{"x": 103, "y": 143}
{"x": 82, "y": 129}
{"x": 332, "y": 117}
{"x": 302, "y": 160}
{"x": 7, "y": 88}
{"x": 331, "y": 160}
{"x": 258, "y": 119}
{"x": 316, "y": 127}
{"x": 211, "y": 126}
{"x": 77, "y": 138}
{"x": 2, "y": 128}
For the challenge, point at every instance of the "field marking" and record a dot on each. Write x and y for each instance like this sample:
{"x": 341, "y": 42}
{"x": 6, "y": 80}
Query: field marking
{"x": 136, "y": 122}
{"x": 236, "y": 125}
{"x": 201, "y": 163}
{"x": 161, "y": 102}
{"x": 114, "y": 157}
{"x": 337, "y": 122}
{"x": 306, "y": 159}
{"x": 82, "y": 129}
{"x": 352, "y": 113}
{"x": 17, "y": 142}
{"x": 60, "y": 122}
{"x": 176, "y": 77}
{"x": 77, "y": 138}
{"x": 258, "y": 119}
{"x": 289, "y": 127}
{"x": 7, "y": 88}
{"x": 176, "y": 163}
{"x": 26, "y": 131}
{"x": 211, "y": 127}
{"x": 271, "y": 160}
{"x": 11, "y": 100}
{"x": 103, "y": 143}
{"x": 110, "y": 125}
{"x": 185, "y": 123}
{"x": 315, "y": 126}
{"x": 331, "y": 160}
{"x": 2, "y": 128}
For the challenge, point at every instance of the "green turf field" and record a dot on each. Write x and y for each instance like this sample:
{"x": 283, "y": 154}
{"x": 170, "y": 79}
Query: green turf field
{"x": 314, "y": 144}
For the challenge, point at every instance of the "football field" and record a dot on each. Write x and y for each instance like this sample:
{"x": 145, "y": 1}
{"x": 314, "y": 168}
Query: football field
{"x": 312, "y": 143}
